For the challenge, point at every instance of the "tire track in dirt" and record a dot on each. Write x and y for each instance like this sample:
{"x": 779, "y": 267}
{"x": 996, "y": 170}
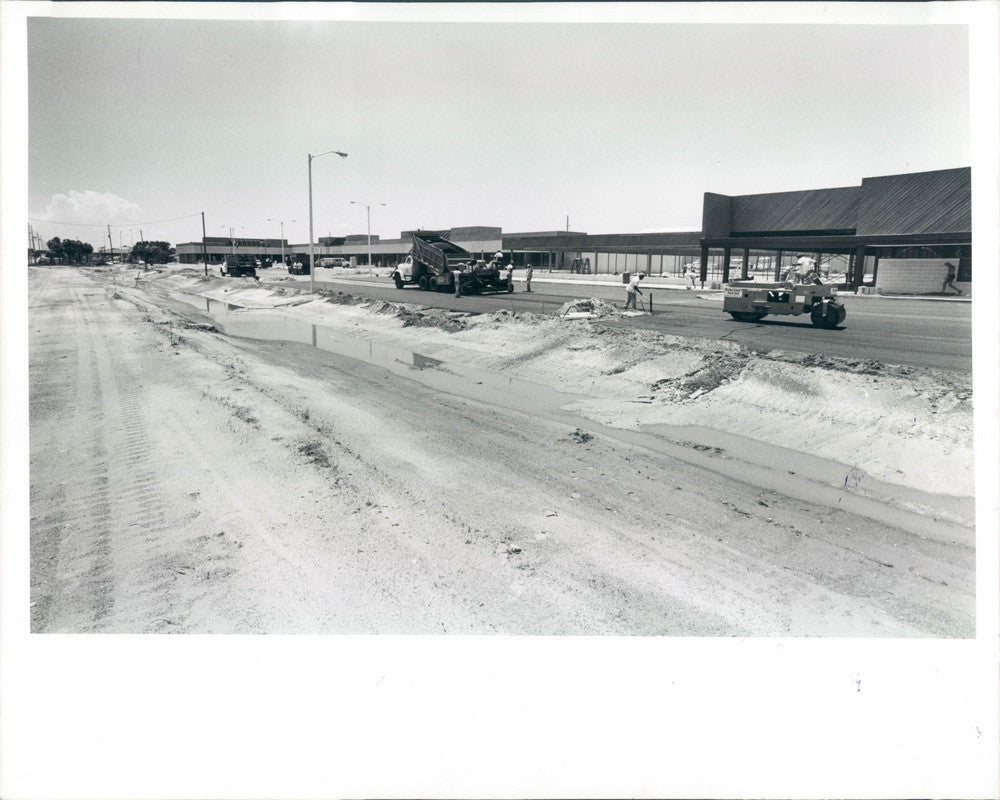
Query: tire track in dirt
{"x": 73, "y": 538}
{"x": 748, "y": 599}
{"x": 314, "y": 441}
{"x": 443, "y": 525}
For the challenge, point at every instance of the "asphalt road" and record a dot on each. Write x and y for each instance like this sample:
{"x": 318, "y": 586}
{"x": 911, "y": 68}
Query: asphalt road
{"x": 923, "y": 333}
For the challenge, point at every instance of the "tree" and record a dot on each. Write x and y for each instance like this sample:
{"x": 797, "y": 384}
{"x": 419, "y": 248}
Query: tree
{"x": 152, "y": 252}
{"x": 55, "y": 247}
{"x": 76, "y": 251}
{"x": 69, "y": 251}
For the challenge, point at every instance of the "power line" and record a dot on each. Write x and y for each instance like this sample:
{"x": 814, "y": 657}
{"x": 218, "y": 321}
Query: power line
{"x": 113, "y": 224}
{"x": 227, "y": 220}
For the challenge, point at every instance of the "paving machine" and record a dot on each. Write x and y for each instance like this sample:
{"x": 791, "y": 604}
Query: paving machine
{"x": 749, "y": 301}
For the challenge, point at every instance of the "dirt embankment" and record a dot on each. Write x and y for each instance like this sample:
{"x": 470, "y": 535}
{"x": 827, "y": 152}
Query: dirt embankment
{"x": 184, "y": 480}
{"x": 900, "y": 425}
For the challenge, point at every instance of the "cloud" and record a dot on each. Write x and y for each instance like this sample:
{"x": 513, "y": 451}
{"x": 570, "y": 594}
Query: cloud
{"x": 91, "y": 208}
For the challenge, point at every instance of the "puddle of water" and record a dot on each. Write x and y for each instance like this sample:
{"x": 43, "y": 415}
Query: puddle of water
{"x": 749, "y": 461}
{"x": 449, "y": 377}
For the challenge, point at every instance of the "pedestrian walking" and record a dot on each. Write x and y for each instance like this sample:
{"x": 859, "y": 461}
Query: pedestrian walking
{"x": 528, "y": 272}
{"x": 631, "y": 290}
{"x": 949, "y": 281}
{"x": 689, "y": 275}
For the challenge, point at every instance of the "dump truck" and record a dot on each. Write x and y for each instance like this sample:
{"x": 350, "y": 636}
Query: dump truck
{"x": 749, "y": 301}
{"x": 237, "y": 266}
{"x": 433, "y": 263}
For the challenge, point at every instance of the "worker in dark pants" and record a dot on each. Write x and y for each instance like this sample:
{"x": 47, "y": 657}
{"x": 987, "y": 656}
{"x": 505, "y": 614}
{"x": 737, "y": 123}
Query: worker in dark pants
{"x": 949, "y": 281}
{"x": 631, "y": 289}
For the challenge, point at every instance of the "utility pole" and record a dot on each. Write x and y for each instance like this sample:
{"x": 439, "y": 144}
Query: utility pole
{"x": 111, "y": 242}
{"x": 281, "y": 222}
{"x": 204, "y": 252}
{"x": 567, "y": 222}
{"x": 312, "y": 257}
{"x": 368, "y": 209}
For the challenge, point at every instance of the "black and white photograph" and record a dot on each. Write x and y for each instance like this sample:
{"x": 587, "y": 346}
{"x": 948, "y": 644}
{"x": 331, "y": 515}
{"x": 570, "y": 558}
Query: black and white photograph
{"x": 471, "y": 325}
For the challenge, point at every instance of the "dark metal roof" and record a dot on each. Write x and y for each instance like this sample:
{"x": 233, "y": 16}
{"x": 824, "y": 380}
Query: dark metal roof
{"x": 548, "y": 234}
{"x": 937, "y": 202}
{"x": 240, "y": 241}
{"x": 811, "y": 210}
{"x": 619, "y": 242}
{"x": 675, "y": 239}
{"x": 921, "y": 202}
{"x": 476, "y": 232}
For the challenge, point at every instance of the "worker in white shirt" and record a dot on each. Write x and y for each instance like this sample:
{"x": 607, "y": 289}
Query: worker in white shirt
{"x": 631, "y": 290}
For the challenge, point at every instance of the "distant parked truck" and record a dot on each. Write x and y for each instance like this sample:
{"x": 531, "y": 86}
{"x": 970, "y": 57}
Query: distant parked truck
{"x": 749, "y": 301}
{"x": 434, "y": 262}
{"x": 334, "y": 262}
{"x": 237, "y": 266}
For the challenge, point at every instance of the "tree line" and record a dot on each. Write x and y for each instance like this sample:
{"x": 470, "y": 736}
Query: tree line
{"x": 73, "y": 251}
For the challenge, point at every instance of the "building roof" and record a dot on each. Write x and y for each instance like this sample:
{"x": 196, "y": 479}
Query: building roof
{"x": 621, "y": 242}
{"x": 811, "y": 210}
{"x": 929, "y": 206}
{"x": 921, "y": 202}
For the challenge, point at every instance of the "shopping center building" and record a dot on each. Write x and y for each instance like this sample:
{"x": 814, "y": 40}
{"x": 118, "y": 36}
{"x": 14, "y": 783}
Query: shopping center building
{"x": 892, "y": 233}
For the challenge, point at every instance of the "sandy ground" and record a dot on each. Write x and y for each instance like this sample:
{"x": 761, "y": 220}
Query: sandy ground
{"x": 518, "y": 475}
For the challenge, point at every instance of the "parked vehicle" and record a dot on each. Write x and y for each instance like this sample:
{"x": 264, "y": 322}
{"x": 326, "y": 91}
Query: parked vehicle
{"x": 749, "y": 301}
{"x": 334, "y": 262}
{"x": 434, "y": 262}
{"x": 238, "y": 266}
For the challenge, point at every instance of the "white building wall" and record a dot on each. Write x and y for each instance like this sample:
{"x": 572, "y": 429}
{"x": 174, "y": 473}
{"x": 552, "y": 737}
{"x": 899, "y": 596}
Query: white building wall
{"x": 914, "y": 275}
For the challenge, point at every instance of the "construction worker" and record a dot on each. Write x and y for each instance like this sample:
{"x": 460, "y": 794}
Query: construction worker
{"x": 457, "y": 276}
{"x": 689, "y": 275}
{"x": 631, "y": 289}
{"x": 949, "y": 280}
{"x": 528, "y": 271}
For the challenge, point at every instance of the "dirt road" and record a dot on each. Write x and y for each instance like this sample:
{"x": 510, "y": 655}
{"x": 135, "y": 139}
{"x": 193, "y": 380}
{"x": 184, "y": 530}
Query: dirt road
{"x": 187, "y": 481}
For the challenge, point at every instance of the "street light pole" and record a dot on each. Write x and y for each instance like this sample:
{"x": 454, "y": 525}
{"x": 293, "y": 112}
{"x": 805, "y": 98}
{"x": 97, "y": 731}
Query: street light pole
{"x": 368, "y": 208}
{"x": 281, "y": 222}
{"x": 312, "y": 257}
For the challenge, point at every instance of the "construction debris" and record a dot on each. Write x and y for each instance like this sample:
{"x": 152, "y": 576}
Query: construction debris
{"x": 593, "y": 308}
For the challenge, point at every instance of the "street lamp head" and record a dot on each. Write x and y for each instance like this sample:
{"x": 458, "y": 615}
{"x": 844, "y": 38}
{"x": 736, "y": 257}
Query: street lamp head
{"x": 328, "y": 152}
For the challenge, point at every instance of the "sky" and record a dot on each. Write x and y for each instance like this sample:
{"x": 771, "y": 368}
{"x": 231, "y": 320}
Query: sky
{"x": 143, "y": 124}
